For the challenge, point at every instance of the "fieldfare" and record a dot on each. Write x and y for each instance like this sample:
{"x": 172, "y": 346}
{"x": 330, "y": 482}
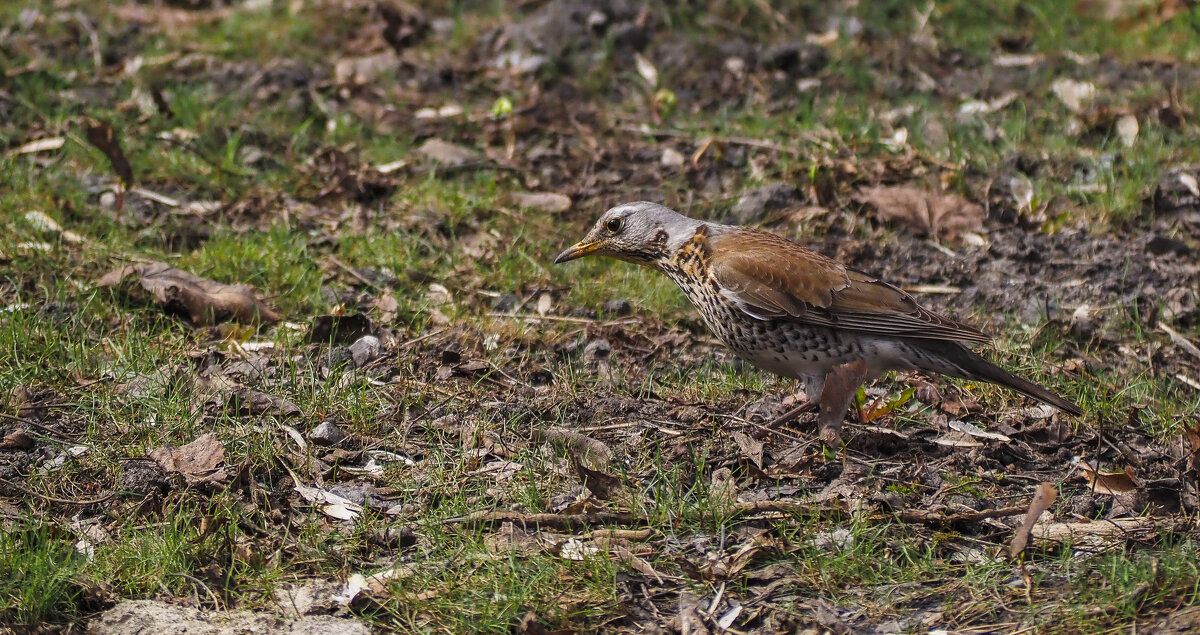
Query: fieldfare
{"x": 794, "y": 312}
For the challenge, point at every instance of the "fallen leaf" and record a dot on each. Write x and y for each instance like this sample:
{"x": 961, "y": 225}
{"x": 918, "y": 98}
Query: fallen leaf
{"x": 603, "y": 486}
{"x": 1110, "y": 483}
{"x": 637, "y": 564}
{"x": 751, "y": 448}
{"x": 202, "y": 300}
{"x": 102, "y": 135}
{"x": 197, "y": 461}
{"x": 242, "y": 401}
{"x": 925, "y": 213}
{"x": 17, "y": 440}
{"x": 646, "y": 69}
{"x": 1075, "y": 95}
{"x": 1043, "y": 497}
{"x": 38, "y": 145}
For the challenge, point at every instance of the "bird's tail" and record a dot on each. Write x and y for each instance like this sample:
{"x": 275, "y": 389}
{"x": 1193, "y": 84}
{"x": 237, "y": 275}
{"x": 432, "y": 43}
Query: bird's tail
{"x": 960, "y": 361}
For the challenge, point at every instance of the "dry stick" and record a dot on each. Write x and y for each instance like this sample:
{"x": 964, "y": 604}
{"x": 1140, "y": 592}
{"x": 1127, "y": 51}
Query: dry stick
{"x": 51, "y": 499}
{"x": 345, "y": 267}
{"x": 558, "y": 521}
{"x": 934, "y": 518}
{"x": 563, "y": 318}
{"x": 55, "y": 435}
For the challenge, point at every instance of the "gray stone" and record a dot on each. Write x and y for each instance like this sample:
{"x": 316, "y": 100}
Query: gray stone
{"x": 327, "y": 433}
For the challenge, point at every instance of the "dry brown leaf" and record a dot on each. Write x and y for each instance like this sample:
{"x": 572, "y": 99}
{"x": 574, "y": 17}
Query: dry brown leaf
{"x": 602, "y": 485}
{"x": 925, "y": 213}
{"x": 197, "y": 461}
{"x": 751, "y": 448}
{"x": 203, "y": 301}
{"x": 1043, "y": 497}
{"x": 242, "y": 401}
{"x": 17, "y": 440}
{"x": 1110, "y": 483}
{"x": 593, "y": 452}
{"x": 102, "y": 135}
{"x": 637, "y": 564}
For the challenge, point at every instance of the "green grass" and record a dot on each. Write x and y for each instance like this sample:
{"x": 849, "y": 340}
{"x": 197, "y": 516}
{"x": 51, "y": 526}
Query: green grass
{"x": 282, "y": 223}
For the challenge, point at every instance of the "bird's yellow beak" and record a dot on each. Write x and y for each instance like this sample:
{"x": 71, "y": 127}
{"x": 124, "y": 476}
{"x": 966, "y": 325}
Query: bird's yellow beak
{"x": 578, "y": 250}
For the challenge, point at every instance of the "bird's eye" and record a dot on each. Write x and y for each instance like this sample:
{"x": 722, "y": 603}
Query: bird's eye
{"x": 614, "y": 225}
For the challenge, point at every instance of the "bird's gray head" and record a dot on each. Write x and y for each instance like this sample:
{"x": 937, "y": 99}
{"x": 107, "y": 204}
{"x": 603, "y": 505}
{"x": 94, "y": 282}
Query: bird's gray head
{"x": 641, "y": 232}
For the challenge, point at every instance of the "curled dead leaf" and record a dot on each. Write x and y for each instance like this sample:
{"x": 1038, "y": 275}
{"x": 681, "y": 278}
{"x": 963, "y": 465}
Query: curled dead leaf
{"x": 102, "y": 135}
{"x": 200, "y": 460}
{"x": 1043, "y": 497}
{"x": 203, "y": 301}
{"x": 1110, "y": 483}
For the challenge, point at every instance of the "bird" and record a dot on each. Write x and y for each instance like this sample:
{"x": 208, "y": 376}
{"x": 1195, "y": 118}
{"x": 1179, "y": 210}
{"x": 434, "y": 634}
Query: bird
{"x": 794, "y": 312}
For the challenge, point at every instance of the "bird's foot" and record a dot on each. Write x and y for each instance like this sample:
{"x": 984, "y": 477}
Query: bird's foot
{"x": 841, "y": 382}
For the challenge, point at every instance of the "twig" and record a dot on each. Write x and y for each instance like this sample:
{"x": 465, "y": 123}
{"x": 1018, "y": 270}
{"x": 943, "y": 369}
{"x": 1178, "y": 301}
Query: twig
{"x": 200, "y": 584}
{"x": 93, "y": 39}
{"x": 935, "y": 518}
{"x": 345, "y": 267}
{"x": 51, "y": 499}
{"x": 55, "y": 435}
{"x": 563, "y": 318}
{"x": 557, "y": 521}
{"x": 1180, "y": 341}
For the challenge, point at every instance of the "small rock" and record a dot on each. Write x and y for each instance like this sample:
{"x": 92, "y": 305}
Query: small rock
{"x": 596, "y": 351}
{"x": 338, "y": 356}
{"x": 327, "y": 433}
{"x": 757, "y": 204}
{"x": 365, "y": 350}
{"x": 143, "y": 477}
{"x": 506, "y": 303}
{"x": 671, "y": 158}
{"x": 618, "y": 307}
{"x": 108, "y": 200}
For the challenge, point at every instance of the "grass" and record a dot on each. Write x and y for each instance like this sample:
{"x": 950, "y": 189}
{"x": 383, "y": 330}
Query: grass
{"x": 286, "y": 228}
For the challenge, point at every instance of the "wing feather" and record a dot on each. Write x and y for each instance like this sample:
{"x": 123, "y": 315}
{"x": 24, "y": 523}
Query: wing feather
{"x": 770, "y": 277}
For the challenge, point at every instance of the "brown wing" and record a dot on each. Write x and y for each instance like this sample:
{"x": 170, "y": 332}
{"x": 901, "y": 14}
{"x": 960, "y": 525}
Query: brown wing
{"x": 773, "y": 278}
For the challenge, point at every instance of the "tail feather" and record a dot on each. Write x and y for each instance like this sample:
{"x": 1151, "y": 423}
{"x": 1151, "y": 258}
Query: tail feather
{"x": 964, "y": 363}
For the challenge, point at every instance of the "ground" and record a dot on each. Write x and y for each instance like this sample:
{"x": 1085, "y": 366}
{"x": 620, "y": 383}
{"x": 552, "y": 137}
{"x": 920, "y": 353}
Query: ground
{"x": 284, "y": 344}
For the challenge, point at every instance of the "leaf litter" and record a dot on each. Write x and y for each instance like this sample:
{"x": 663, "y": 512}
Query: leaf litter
{"x": 494, "y": 393}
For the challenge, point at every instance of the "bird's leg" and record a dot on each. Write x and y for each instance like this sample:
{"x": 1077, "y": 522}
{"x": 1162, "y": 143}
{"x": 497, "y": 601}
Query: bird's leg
{"x": 841, "y": 382}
